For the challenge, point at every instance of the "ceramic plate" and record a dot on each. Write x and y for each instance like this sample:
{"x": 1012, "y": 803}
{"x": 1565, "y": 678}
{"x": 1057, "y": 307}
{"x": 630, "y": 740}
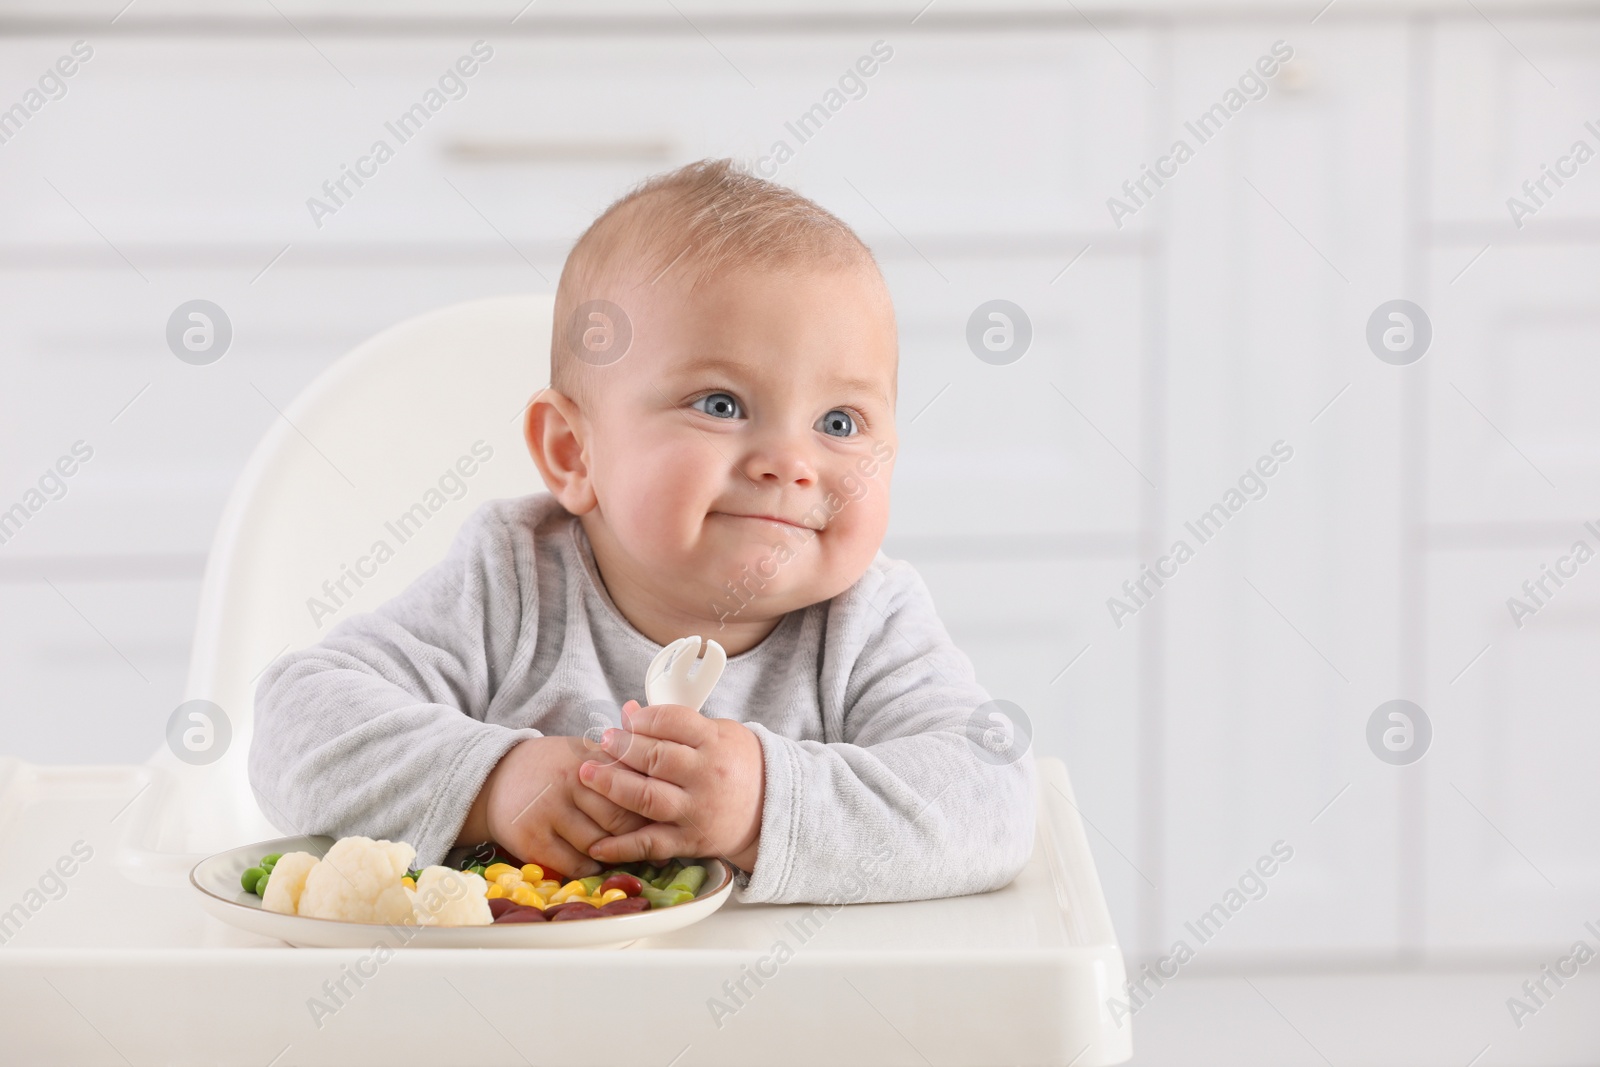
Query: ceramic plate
{"x": 216, "y": 880}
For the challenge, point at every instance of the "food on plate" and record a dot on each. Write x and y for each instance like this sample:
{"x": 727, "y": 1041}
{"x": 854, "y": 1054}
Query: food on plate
{"x": 625, "y": 906}
{"x": 676, "y": 886}
{"x": 629, "y": 885}
{"x": 282, "y": 890}
{"x": 447, "y": 897}
{"x": 505, "y": 911}
{"x": 359, "y": 881}
{"x": 254, "y": 879}
{"x": 362, "y": 880}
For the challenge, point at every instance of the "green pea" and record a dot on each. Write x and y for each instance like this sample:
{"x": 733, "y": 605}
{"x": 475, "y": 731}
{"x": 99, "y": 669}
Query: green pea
{"x": 251, "y": 877}
{"x": 269, "y": 861}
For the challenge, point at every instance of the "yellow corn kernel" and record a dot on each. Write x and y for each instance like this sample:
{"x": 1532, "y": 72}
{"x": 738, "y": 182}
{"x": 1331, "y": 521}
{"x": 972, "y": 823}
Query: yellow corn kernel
{"x": 547, "y": 886}
{"x": 509, "y": 879}
{"x": 573, "y": 890}
{"x": 408, "y": 883}
{"x": 493, "y": 872}
{"x": 608, "y": 896}
{"x": 524, "y": 894}
{"x": 532, "y": 873}
{"x": 495, "y": 892}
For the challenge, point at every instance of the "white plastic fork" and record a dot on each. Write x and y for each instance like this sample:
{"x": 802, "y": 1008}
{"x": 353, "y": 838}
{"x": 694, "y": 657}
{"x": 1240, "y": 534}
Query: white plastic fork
{"x": 668, "y": 679}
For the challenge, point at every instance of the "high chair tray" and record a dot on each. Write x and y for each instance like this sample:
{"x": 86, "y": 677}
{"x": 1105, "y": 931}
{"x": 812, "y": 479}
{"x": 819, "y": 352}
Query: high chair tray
{"x": 98, "y": 966}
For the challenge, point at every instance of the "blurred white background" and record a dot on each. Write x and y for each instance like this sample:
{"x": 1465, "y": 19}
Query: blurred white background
{"x": 1227, "y": 313}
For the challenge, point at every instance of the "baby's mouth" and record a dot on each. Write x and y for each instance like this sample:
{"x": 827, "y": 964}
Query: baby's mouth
{"x": 770, "y": 520}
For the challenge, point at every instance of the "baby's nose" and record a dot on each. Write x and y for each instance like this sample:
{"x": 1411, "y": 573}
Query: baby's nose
{"x": 781, "y": 464}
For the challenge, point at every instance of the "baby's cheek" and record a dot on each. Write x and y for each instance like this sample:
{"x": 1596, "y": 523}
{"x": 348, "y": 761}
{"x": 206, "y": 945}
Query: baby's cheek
{"x": 658, "y": 501}
{"x": 858, "y": 531}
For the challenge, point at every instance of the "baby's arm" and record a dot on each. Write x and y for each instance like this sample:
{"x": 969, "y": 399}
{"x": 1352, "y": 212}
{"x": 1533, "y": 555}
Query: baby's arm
{"x": 906, "y": 806}
{"x": 380, "y": 728}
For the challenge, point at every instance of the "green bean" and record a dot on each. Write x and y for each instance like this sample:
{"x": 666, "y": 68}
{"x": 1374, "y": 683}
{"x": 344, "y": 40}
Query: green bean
{"x": 665, "y": 898}
{"x": 649, "y": 874}
{"x": 666, "y": 876}
{"x": 690, "y": 879}
{"x": 591, "y": 884}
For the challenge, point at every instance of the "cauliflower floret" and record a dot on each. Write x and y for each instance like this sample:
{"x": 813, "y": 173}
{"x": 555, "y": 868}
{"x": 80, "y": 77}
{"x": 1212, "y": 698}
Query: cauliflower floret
{"x": 445, "y": 897}
{"x": 287, "y": 882}
{"x": 359, "y": 881}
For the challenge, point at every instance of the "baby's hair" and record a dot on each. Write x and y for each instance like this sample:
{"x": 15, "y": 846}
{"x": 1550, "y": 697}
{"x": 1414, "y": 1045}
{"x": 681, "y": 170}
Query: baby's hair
{"x": 689, "y": 225}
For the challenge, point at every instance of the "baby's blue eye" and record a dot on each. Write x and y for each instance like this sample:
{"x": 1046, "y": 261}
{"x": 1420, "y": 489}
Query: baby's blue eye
{"x": 838, "y": 423}
{"x": 719, "y": 405}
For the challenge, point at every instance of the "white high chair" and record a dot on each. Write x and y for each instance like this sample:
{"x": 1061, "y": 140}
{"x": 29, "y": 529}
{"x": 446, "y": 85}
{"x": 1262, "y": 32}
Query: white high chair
{"x": 1019, "y": 976}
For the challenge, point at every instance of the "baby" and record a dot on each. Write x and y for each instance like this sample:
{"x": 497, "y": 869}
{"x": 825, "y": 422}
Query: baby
{"x": 717, "y": 441}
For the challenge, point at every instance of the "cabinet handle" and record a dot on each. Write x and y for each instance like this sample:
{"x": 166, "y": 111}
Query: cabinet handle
{"x": 538, "y": 150}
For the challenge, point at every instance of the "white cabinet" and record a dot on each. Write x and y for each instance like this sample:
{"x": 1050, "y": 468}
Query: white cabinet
{"x": 1279, "y": 635}
{"x": 1377, "y": 565}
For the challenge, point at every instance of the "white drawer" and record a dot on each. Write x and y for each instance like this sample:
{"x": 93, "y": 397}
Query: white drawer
{"x": 225, "y": 139}
{"x": 1512, "y": 845}
{"x": 74, "y": 695}
{"x": 984, "y": 449}
{"x": 164, "y": 464}
{"x": 991, "y": 450}
{"x": 1023, "y": 622}
{"x": 1511, "y": 382}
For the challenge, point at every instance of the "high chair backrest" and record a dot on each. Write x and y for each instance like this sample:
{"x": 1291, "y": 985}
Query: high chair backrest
{"x": 352, "y": 494}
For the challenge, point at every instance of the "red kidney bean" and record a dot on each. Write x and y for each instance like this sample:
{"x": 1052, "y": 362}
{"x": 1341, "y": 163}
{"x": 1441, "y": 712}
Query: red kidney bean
{"x": 625, "y": 882}
{"x": 625, "y": 906}
{"x": 500, "y": 905}
{"x": 572, "y": 905}
{"x": 521, "y": 913}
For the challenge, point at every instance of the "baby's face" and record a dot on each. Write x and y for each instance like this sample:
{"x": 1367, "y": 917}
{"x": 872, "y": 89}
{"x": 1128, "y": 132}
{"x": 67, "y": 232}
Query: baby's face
{"x": 747, "y": 437}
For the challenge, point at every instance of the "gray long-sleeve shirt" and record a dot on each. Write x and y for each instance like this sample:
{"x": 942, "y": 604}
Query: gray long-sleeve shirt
{"x": 882, "y": 778}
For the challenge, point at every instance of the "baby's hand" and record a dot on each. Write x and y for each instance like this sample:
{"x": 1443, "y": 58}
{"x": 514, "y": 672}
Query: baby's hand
{"x": 699, "y": 781}
{"x": 533, "y": 805}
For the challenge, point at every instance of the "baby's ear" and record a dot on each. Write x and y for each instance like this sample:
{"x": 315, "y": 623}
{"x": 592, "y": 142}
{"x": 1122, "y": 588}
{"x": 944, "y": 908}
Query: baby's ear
{"x": 554, "y": 429}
